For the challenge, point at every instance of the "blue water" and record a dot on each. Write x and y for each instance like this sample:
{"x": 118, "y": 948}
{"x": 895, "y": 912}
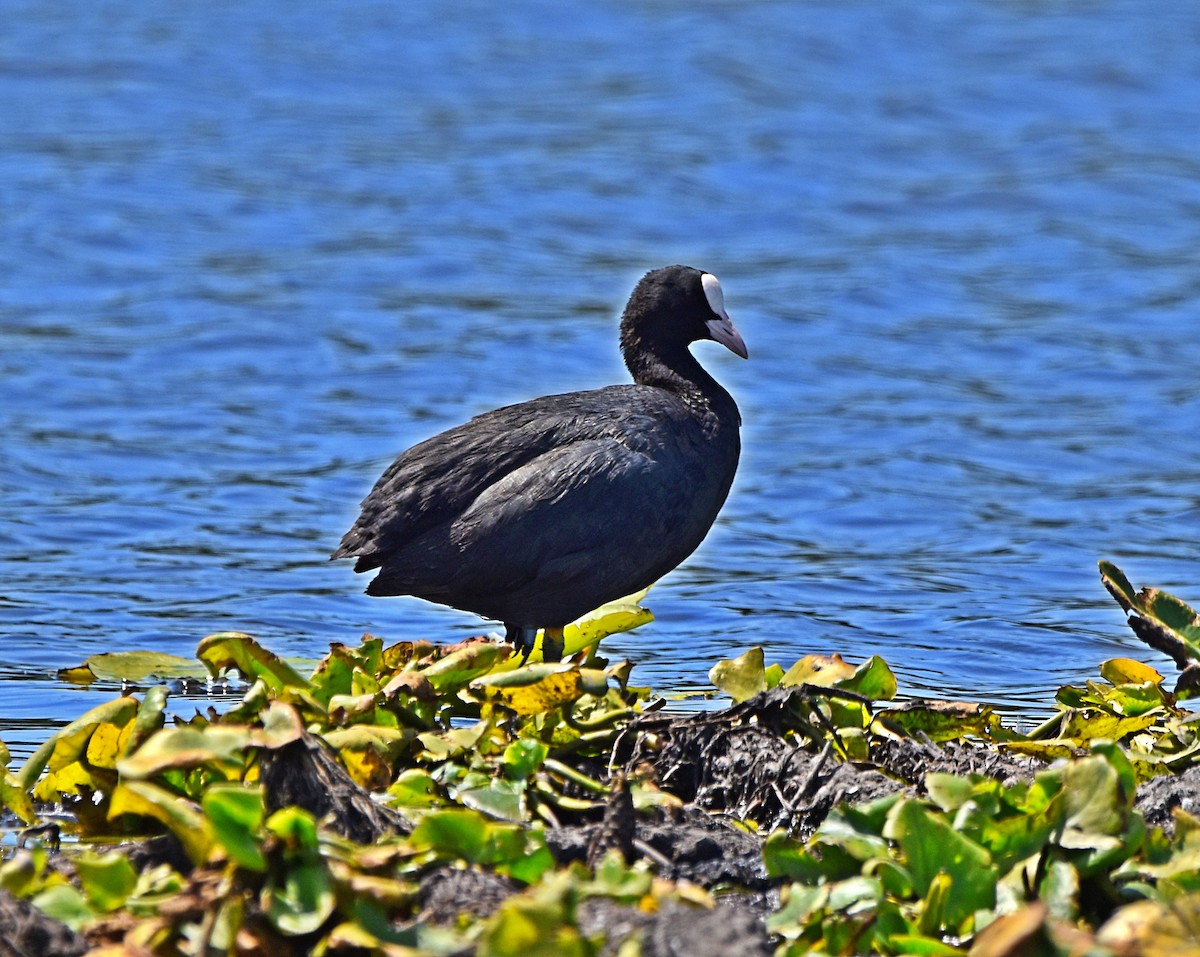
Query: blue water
{"x": 251, "y": 251}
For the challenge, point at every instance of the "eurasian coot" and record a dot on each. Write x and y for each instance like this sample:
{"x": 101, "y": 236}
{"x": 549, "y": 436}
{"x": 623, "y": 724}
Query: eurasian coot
{"x": 535, "y": 514}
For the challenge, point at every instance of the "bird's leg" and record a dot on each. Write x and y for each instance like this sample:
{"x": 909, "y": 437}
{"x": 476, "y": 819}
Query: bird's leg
{"x": 521, "y": 638}
{"x": 552, "y": 644}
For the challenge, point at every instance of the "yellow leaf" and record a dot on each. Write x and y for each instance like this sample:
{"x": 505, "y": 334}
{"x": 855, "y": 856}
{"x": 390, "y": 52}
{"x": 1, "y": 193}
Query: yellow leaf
{"x": 624, "y": 614}
{"x": 105, "y": 745}
{"x": 80, "y": 675}
{"x": 368, "y": 768}
{"x": 742, "y": 677}
{"x": 542, "y": 695}
{"x": 180, "y": 815}
{"x": 70, "y": 743}
{"x": 820, "y": 670}
{"x": 65, "y": 780}
{"x": 1121, "y": 671}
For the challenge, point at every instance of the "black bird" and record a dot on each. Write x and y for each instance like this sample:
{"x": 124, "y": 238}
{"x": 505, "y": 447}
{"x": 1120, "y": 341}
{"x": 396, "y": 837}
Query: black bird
{"x": 537, "y": 513}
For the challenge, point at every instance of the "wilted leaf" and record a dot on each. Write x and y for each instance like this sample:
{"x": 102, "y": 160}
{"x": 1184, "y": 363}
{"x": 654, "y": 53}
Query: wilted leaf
{"x": 943, "y": 720}
{"x": 369, "y": 752}
{"x": 1088, "y": 725}
{"x": 1160, "y": 619}
{"x": 1121, "y": 671}
{"x": 452, "y": 743}
{"x": 281, "y": 725}
{"x": 411, "y": 683}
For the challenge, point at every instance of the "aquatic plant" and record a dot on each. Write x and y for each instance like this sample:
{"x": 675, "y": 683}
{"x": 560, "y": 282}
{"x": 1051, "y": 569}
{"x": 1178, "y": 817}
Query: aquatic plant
{"x": 321, "y": 812}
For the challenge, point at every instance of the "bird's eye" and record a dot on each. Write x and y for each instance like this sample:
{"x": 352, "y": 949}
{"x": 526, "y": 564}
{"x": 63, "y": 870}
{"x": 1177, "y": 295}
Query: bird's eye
{"x": 712, "y": 292}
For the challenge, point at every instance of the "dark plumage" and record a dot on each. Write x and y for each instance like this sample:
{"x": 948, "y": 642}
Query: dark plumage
{"x": 535, "y": 514}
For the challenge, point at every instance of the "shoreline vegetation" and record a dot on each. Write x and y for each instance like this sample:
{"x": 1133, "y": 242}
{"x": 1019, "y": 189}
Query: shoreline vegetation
{"x": 413, "y": 799}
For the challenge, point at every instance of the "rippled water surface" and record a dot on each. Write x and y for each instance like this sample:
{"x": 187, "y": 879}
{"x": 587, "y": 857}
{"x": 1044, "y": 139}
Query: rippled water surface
{"x": 251, "y": 251}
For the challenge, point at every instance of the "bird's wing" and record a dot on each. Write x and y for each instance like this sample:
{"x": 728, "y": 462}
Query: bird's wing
{"x": 437, "y": 480}
{"x": 593, "y": 507}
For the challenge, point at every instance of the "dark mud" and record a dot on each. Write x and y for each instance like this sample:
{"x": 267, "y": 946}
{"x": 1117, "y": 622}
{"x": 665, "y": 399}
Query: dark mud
{"x": 26, "y": 932}
{"x": 1159, "y": 797}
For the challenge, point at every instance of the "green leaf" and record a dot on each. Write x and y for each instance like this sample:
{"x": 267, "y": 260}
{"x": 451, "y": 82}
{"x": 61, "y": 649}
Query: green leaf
{"x": 498, "y": 797}
{"x": 460, "y": 668}
{"x": 236, "y": 815}
{"x": 296, "y": 828}
{"x": 949, "y": 791}
{"x": 932, "y": 847}
{"x": 839, "y": 830}
{"x": 873, "y": 679}
{"x": 741, "y": 678}
{"x": 218, "y": 746}
{"x": 302, "y": 901}
{"x": 150, "y": 717}
{"x": 618, "y": 616}
{"x": 415, "y": 787}
{"x": 132, "y": 666}
{"x": 523, "y": 758}
{"x": 617, "y": 880}
{"x": 1096, "y": 796}
{"x": 1059, "y": 890}
{"x": 107, "y": 880}
{"x": 538, "y": 923}
{"x": 535, "y": 861}
{"x": 801, "y": 904}
{"x": 457, "y": 834}
{"x": 915, "y": 945}
{"x": 452, "y": 833}
{"x": 809, "y": 863}
{"x": 63, "y": 902}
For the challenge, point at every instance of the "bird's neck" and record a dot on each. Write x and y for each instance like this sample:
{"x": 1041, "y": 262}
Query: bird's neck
{"x": 677, "y": 371}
